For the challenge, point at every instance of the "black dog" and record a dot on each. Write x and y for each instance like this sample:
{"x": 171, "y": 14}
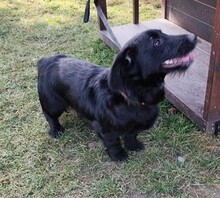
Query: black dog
{"x": 119, "y": 102}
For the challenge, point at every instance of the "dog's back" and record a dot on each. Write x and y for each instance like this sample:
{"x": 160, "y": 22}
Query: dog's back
{"x": 44, "y": 63}
{"x": 63, "y": 82}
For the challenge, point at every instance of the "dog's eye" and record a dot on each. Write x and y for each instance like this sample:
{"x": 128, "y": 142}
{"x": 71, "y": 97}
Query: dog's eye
{"x": 157, "y": 42}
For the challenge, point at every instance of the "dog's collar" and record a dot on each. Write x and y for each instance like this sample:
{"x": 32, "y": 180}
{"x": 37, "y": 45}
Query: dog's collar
{"x": 126, "y": 98}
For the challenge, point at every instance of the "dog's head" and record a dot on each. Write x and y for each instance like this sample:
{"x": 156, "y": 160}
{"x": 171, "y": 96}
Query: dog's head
{"x": 151, "y": 52}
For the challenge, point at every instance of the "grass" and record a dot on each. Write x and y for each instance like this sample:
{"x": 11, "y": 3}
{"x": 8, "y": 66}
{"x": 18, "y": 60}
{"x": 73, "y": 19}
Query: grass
{"x": 33, "y": 165}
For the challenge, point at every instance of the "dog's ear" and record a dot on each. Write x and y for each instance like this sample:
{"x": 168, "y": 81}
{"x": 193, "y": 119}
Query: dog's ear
{"x": 121, "y": 66}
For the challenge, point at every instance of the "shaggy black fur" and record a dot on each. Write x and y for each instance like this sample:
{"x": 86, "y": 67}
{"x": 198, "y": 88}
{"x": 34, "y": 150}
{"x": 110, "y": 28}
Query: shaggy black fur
{"x": 121, "y": 101}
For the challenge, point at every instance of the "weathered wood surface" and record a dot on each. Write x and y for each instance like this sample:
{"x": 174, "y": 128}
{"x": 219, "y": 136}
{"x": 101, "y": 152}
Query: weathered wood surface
{"x": 135, "y": 11}
{"x": 194, "y": 16}
{"x": 211, "y": 3}
{"x": 196, "y": 9}
{"x": 212, "y": 100}
{"x": 103, "y": 5}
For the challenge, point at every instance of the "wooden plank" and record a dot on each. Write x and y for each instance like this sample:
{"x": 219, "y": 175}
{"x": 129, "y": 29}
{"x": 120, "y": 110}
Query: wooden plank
{"x": 187, "y": 94}
{"x": 212, "y": 100}
{"x": 107, "y": 39}
{"x": 200, "y": 65}
{"x": 211, "y": 3}
{"x": 190, "y": 23}
{"x": 102, "y": 4}
{"x": 163, "y": 8}
{"x": 204, "y": 46}
{"x": 189, "y": 89}
{"x": 195, "y": 9}
{"x": 189, "y": 113}
{"x": 135, "y": 11}
{"x": 125, "y": 32}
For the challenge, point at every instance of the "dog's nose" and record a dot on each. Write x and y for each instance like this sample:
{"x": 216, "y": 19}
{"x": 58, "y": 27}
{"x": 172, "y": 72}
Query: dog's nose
{"x": 192, "y": 37}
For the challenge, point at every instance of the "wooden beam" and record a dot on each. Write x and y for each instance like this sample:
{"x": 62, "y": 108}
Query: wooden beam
{"x": 135, "y": 11}
{"x": 200, "y": 11}
{"x": 163, "y": 8}
{"x": 212, "y": 99}
{"x": 102, "y": 4}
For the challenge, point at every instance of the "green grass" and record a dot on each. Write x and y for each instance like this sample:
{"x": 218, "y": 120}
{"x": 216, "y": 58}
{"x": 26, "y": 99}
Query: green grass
{"x": 34, "y": 165}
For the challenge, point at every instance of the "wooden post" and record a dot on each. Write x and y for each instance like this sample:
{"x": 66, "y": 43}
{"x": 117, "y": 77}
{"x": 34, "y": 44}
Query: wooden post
{"x": 212, "y": 99}
{"x": 135, "y": 11}
{"x": 102, "y": 4}
{"x": 163, "y": 8}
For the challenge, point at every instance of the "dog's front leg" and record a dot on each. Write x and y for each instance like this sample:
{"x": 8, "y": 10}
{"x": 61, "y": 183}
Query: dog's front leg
{"x": 131, "y": 142}
{"x": 114, "y": 148}
{"x": 111, "y": 141}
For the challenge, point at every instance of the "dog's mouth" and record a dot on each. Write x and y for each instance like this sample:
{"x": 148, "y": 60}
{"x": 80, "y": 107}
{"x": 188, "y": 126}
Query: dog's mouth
{"x": 179, "y": 61}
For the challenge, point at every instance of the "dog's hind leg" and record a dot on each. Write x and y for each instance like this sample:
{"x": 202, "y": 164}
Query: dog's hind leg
{"x": 53, "y": 107}
{"x": 55, "y": 127}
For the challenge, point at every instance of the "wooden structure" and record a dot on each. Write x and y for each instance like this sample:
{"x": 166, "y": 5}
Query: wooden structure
{"x": 197, "y": 93}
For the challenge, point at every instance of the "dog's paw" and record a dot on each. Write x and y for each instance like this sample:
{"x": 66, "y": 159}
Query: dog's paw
{"x": 137, "y": 146}
{"x": 118, "y": 156}
{"x": 56, "y": 133}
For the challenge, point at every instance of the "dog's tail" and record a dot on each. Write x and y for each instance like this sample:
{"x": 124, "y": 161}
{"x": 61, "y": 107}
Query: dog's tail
{"x": 46, "y": 61}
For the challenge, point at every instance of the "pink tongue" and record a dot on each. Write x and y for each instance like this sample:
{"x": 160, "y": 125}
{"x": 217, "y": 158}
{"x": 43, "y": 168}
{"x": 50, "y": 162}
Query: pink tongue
{"x": 191, "y": 56}
{"x": 188, "y": 57}
{"x": 179, "y": 61}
